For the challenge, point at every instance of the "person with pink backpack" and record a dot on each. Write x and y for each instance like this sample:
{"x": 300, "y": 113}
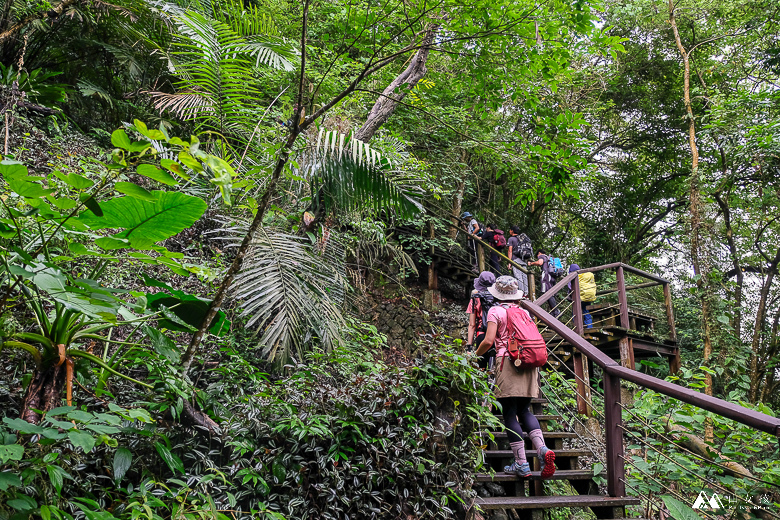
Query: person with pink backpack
{"x": 520, "y": 351}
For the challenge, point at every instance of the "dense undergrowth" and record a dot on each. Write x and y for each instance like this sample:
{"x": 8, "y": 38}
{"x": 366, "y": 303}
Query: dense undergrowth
{"x": 342, "y": 435}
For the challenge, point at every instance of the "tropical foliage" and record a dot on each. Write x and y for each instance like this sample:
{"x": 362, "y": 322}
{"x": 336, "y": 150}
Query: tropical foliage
{"x": 204, "y": 204}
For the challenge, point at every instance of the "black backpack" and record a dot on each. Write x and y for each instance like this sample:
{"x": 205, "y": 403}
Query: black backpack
{"x": 524, "y": 250}
{"x": 481, "y": 303}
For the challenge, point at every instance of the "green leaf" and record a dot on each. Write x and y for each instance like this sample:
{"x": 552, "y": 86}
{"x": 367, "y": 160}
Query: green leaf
{"x": 173, "y": 166}
{"x": 7, "y": 231}
{"x": 92, "y": 205}
{"x": 23, "y": 426}
{"x": 171, "y": 459}
{"x": 120, "y": 139}
{"x": 679, "y": 510}
{"x": 163, "y": 345}
{"x": 80, "y": 416}
{"x": 85, "y": 296}
{"x": 85, "y": 441}
{"x": 223, "y": 176}
{"x": 148, "y": 222}
{"x": 8, "y": 479}
{"x": 184, "y": 311}
{"x": 11, "y": 452}
{"x": 22, "y": 503}
{"x": 57, "y": 475}
{"x": 122, "y": 461}
{"x": 279, "y": 471}
{"x": 74, "y": 180}
{"x": 134, "y": 190}
{"x": 154, "y": 173}
{"x": 111, "y": 243}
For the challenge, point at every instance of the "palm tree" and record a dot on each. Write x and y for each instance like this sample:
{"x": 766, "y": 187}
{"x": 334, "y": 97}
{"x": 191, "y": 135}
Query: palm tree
{"x": 216, "y": 57}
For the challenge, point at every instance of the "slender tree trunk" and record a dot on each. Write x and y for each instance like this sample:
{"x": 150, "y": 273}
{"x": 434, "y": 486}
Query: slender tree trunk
{"x": 771, "y": 383}
{"x": 698, "y": 254}
{"x": 243, "y": 249}
{"x": 388, "y": 101}
{"x": 740, "y": 276}
{"x": 756, "y": 375}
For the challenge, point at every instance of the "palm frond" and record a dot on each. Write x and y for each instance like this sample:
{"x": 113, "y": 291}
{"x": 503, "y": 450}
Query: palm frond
{"x": 272, "y": 51}
{"x": 349, "y": 175}
{"x": 350, "y": 185}
{"x": 291, "y": 293}
{"x": 186, "y": 105}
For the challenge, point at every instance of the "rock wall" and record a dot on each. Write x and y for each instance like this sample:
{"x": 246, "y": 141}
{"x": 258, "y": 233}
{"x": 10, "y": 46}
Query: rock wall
{"x": 404, "y": 321}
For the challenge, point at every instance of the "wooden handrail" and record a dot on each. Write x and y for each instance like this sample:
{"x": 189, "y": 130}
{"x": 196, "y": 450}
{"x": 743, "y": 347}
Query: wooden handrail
{"x": 521, "y": 267}
{"x": 614, "y": 372}
{"x": 760, "y": 421}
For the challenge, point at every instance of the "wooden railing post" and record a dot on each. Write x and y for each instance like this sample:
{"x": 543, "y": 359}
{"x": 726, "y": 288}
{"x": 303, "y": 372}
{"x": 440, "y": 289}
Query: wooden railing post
{"x": 616, "y": 470}
{"x": 626, "y": 348}
{"x": 531, "y": 285}
{"x": 674, "y": 363}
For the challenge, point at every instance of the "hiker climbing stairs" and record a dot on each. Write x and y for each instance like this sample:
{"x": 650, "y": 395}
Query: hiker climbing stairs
{"x": 527, "y": 497}
{"x": 598, "y": 456}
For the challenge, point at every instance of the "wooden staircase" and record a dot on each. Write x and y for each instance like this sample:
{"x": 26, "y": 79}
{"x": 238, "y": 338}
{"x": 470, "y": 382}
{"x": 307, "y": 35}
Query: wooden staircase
{"x": 526, "y": 498}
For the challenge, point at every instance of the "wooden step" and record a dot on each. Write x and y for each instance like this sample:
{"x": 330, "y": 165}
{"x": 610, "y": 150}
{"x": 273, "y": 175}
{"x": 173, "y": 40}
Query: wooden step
{"x": 547, "y": 435}
{"x": 561, "y": 474}
{"x": 559, "y": 454}
{"x": 540, "y": 417}
{"x": 549, "y": 502}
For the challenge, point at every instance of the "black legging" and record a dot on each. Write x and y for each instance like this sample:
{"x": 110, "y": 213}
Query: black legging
{"x": 514, "y": 408}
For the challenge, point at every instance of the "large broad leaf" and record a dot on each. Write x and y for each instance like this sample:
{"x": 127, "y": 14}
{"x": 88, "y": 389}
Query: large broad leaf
{"x": 186, "y": 311}
{"x": 145, "y": 222}
{"x": 84, "y": 296}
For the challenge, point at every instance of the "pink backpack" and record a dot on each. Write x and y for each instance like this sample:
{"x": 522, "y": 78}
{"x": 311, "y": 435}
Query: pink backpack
{"x": 526, "y": 346}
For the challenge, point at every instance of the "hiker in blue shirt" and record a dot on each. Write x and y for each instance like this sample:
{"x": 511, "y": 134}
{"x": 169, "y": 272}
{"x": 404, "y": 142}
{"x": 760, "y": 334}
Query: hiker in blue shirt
{"x": 549, "y": 277}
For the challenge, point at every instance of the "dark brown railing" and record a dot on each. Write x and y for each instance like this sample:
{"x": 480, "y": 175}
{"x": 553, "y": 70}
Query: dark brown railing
{"x": 614, "y": 372}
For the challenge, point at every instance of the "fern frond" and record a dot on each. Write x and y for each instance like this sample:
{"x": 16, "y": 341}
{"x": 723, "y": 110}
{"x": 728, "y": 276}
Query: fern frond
{"x": 290, "y": 293}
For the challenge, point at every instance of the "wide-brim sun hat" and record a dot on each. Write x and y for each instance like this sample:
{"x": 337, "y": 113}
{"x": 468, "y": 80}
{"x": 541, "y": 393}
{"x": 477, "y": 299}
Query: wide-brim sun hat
{"x": 485, "y": 280}
{"x": 506, "y": 288}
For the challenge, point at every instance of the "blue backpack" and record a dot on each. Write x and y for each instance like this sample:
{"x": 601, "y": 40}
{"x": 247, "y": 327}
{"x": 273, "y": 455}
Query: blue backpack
{"x": 555, "y": 266}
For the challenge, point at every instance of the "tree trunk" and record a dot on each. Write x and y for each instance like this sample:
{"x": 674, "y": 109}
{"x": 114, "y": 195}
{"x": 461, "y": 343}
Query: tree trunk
{"x": 43, "y": 393}
{"x": 698, "y": 255}
{"x": 756, "y": 375}
{"x": 457, "y": 206}
{"x": 724, "y": 206}
{"x": 388, "y": 101}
